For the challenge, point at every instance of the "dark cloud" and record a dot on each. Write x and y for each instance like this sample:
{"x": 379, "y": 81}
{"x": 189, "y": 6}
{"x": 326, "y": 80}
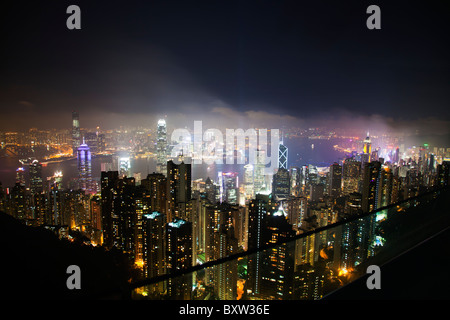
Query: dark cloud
{"x": 244, "y": 63}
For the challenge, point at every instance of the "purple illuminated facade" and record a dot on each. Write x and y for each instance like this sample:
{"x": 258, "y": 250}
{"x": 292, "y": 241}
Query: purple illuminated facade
{"x": 84, "y": 167}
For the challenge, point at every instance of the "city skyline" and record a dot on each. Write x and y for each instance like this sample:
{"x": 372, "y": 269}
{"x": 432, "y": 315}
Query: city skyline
{"x": 172, "y": 221}
{"x": 150, "y": 143}
{"x": 238, "y": 150}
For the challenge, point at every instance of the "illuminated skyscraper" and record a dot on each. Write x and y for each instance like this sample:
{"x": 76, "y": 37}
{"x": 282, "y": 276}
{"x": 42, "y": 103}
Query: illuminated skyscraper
{"x": 211, "y": 190}
{"x": 76, "y": 135}
{"x": 178, "y": 189}
{"x": 367, "y": 150}
{"x": 229, "y": 187}
{"x": 367, "y": 144}
{"x": 259, "y": 177}
{"x": 353, "y": 234}
{"x": 161, "y": 147}
{"x": 281, "y": 184}
{"x": 127, "y": 213}
{"x": 154, "y": 238}
{"x": 156, "y": 186}
{"x": 55, "y": 181}
{"x": 351, "y": 171}
{"x": 259, "y": 209}
{"x": 109, "y": 181}
{"x": 210, "y": 225}
{"x": 370, "y": 183}
{"x": 279, "y": 261}
{"x": 249, "y": 187}
{"x": 384, "y": 187}
{"x": 84, "y": 167}
{"x": 55, "y": 212}
{"x": 95, "y": 209}
{"x": 124, "y": 167}
{"x": 225, "y": 277}
{"x": 179, "y": 257}
{"x": 294, "y": 173}
{"x": 282, "y": 156}
{"x": 36, "y": 185}
{"x": 19, "y": 203}
{"x": 297, "y": 209}
{"x": 304, "y": 175}
{"x": 37, "y": 188}
{"x": 313, "y": 175}
{"x": 20, "y": 176}
{"x": 335, "y": 179}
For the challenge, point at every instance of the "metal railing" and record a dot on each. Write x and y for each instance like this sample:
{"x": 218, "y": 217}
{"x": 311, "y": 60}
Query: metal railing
{"x": 310, "y": 265}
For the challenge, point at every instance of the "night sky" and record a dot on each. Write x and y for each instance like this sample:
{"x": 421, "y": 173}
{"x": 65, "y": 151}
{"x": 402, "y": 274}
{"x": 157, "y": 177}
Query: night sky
{"x": 293, "y": 62}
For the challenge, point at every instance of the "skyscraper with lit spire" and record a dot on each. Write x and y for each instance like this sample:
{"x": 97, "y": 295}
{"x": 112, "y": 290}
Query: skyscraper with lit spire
{"x": 367, "y": 144}
{"x": 367, "y": 150}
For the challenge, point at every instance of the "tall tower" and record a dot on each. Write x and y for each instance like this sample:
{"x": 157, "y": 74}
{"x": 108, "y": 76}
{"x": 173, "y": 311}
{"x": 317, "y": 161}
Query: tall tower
{"x": 179, "y": 257}
{"x": 20, "y": 176}
{"x": 367, "y": 145}
{"x": 178, "y": 189}
{"x": 384, "y": 187}
{"x": 281, "y": 184}
{"x": 370, "y": 181}
{"x": 259, "y": 209}
{"x": 156, "y": 186}
{"x": 335, "y": 180}
{"x": 282, "y": 156}
{"x": 127, "y": 218}
{"x": 161, "y": 147}
{"x": 294, "y": 173}
{"x": 76, "y": 135}
{"x": 351, "y": 172}
{"x": 36, "y": 185}
{"x": 154, "y": 238}
{"x": 84, "y": 167}
{"x": 279, "y": 261}
{"x": 249, "y": 185}
{"x": 259, "y": 172}
{"x": 124, "y": 167}
{"x": 109, "y": 182}
{"x": 225, "y": 274}
{"x": 229, "y": 187}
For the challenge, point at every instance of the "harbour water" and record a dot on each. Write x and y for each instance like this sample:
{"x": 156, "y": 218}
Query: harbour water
{"x": 302, "y": 151}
